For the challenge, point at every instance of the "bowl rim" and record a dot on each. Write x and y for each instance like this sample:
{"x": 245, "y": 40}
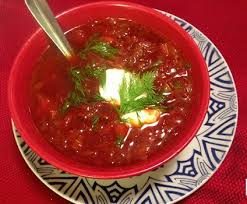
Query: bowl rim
{"x": 98, "y": 173}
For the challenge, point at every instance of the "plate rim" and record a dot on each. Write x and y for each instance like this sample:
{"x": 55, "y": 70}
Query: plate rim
{"x": 237, "y": 112}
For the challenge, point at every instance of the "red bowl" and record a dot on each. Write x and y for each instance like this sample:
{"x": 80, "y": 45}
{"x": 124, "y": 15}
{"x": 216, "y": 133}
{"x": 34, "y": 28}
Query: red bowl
{"x": 20, "y": 77}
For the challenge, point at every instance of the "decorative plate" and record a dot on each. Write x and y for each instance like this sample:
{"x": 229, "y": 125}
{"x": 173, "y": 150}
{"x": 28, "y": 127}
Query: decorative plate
{"x": 182, "y": 175}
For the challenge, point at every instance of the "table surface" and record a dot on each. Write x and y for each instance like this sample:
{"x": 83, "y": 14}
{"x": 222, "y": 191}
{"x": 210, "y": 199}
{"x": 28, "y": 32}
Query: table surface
{"x": 224, "y": 22}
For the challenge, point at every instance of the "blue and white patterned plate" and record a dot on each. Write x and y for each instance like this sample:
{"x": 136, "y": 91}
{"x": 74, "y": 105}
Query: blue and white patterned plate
{"x": 178, "y": 178}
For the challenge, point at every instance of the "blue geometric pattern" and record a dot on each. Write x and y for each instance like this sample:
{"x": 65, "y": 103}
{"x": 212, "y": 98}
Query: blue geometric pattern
{"x": 179, "y": 177}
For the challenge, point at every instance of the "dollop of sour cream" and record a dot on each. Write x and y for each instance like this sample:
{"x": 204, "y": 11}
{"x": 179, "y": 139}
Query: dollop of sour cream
{"x": 110, "y": 92}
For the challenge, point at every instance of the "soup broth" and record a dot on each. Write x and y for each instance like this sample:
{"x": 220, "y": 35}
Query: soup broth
{"x": 127, "y": 92}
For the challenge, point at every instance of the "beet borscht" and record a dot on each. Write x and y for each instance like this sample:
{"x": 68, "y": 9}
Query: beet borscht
{"x": 130, "y": 91}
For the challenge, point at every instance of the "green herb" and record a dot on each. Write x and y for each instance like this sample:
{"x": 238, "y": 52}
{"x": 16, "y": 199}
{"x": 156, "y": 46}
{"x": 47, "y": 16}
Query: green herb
{"x": 77, "y": 96}
{"x": 66, "y": 105}
{"x": 124, "y": 120}
{"x": 95, "y": 120}
{"x": 88, "y": 45}
{"x": 78, "y": 75}
{"x": 97, "y": 46}
{"x": 104, "y": 49}
{"x": 139, "y": 118}
{"x": 98, "y": 97}
{"x": 137, "y": 92}
{"x": 119, "y": 140}
{"x": 77, "y": 78}
{"x": 97, "y": 72}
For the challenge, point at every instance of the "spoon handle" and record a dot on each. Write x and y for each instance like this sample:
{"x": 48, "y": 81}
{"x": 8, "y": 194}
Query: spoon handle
{"x": 44, "y": 16}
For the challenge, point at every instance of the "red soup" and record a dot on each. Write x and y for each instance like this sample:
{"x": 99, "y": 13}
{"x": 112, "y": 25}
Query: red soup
{"x": 128, "y": 94}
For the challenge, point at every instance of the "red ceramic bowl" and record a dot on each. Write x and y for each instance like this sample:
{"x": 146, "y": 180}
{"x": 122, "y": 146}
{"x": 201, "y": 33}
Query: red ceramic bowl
{"x": 20, "y": 77}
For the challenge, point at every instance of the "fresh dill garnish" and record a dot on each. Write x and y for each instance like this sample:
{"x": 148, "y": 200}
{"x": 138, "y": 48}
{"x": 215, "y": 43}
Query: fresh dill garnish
{"x": 98, "y": 97}
{"x": 119, "y": 140}
{"x": 77, "y": 95}
{"x": 124, "y": 120}
{"x": 139, "y": 118}
{"x": 78, "y": 75}
{"x": 104, "y": 49}
{"x": 137, "y": 92}
{"x": 95, "y": 120}
{"x": 97, "y": 72}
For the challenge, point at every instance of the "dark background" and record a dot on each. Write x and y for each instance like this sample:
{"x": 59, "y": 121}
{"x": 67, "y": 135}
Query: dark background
{"x": 224, "y": 22}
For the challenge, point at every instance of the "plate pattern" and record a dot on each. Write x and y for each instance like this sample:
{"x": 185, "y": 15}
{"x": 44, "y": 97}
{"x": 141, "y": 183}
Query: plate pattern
{"x": 179, "y": 177}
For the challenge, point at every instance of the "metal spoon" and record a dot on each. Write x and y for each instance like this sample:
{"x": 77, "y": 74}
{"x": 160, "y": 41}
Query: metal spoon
{"x": 44, "y": 16}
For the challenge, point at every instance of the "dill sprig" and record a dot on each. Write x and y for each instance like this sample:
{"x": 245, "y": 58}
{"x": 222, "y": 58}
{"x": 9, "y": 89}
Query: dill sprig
{"x": 97, "y": 72}
{"x": 98, "y": 97}
{"x": 78, "y": 75}
{"x": 95, "y": 120}
{"x": 77, "y": 95}
{"x": 119, "y": 140}
{"x": 104, "y": 49}
{"x": 137, "y": 92}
